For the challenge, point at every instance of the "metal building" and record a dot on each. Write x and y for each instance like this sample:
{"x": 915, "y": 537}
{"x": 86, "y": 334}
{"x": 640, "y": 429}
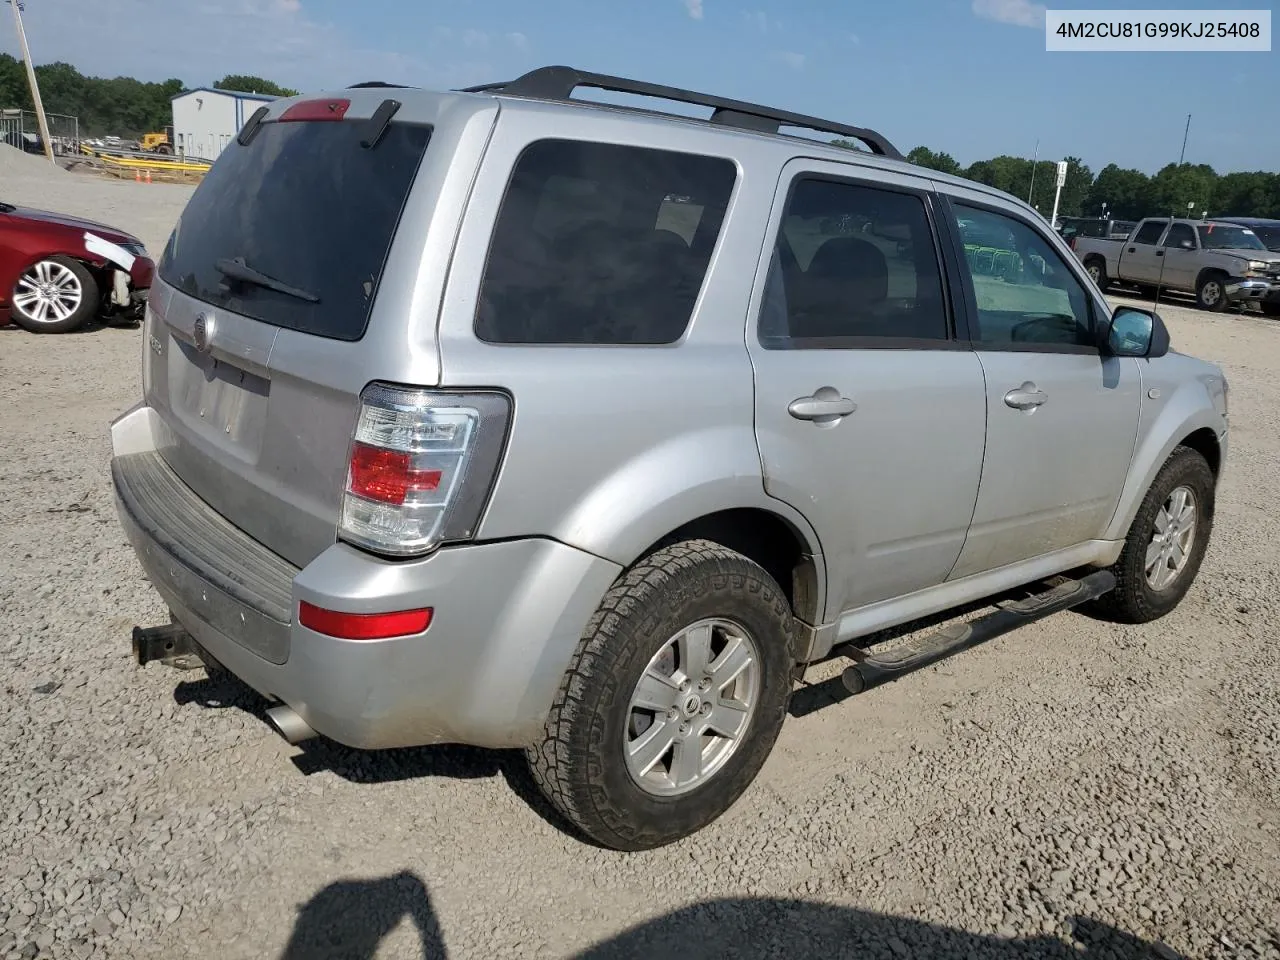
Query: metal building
{"x": 205, "y": 120}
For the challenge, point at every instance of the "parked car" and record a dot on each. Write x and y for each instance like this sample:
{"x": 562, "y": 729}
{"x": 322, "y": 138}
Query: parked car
{"x": 1222, "y": 263}
{"x": 1268, "y": 231}
{"x": 1071, "y": 227}
{"x": 480, "y": 417}
{"x": 58, "y": 271}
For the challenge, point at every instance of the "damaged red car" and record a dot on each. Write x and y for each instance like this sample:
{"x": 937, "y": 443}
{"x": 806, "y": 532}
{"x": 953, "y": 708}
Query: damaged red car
{"x": 58, "y": 272}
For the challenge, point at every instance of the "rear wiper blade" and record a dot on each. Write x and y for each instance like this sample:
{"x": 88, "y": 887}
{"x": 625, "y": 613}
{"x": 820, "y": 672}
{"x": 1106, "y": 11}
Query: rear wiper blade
{"x": 237, "y": 269}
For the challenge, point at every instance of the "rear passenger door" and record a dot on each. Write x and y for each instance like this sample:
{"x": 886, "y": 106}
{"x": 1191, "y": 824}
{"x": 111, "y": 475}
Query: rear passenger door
{"x": 1062, "y": 418}
{"x": 870, "y": 415}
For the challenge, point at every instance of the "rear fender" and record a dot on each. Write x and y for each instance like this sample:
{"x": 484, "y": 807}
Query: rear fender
{"x": 673, "y": 484}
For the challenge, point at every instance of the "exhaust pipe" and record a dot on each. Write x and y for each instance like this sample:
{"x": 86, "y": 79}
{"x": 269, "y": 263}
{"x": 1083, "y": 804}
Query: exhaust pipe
{"x": 288, "y": 724}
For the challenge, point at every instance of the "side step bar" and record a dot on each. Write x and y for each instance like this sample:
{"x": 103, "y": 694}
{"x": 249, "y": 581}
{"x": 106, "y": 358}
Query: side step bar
{"x": 914, "y": 655}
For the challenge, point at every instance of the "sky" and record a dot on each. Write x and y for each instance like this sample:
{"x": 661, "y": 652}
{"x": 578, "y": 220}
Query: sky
{"x": 969, "y": 77}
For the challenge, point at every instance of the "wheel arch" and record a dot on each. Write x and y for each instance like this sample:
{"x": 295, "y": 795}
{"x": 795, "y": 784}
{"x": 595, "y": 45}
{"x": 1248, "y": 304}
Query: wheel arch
{"x": 1186, "y": 421}
{"x": 769, "y": 539}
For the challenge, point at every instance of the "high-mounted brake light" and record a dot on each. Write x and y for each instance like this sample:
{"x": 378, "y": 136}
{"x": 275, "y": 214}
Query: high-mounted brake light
{"x": 313, "y": 110}
{"x": 421, "y": 466}
{"x": 363, "y": 626}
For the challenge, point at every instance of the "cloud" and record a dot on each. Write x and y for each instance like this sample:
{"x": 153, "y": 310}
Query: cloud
{"x": 1019, "y": 13}
{"x": 289, "y": 6}
{"x": 854, "y": 40}
{"x": 694, "y": 7}
{"x": 795, "y": 61}
{"x": 757, "y": 19}
{"x": 518, "y": 40}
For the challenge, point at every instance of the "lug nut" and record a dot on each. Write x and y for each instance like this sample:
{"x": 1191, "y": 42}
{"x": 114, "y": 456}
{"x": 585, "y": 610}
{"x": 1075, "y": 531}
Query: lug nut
{"x": 684, "y": 728}
{"x": 673, "y": 714}
{"x": 684, "y": 687}
{"x": 704, "y": 683}
{"x": 706, "y": 709}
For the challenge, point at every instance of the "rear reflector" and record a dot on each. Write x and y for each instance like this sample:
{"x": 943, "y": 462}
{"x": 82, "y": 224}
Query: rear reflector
{"x": 363, "y": 626}
{"x": 316, "y": 110}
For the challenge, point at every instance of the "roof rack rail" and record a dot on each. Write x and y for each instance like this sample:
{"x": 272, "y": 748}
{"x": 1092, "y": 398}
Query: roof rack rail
{"x": 558, "y": 83}
{"x": 377, "y": 83}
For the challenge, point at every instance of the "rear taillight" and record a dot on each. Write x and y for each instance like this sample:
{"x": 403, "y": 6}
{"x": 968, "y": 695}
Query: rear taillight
{"x": 421, "y": 467}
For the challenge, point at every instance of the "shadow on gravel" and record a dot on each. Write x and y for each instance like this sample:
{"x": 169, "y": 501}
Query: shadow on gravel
{"x": 225, "y": 691}
{"x": 350, "y": 918}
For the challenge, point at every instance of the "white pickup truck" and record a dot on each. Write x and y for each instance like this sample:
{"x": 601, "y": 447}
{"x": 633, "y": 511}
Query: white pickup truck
{"x": 1221, "y": 263}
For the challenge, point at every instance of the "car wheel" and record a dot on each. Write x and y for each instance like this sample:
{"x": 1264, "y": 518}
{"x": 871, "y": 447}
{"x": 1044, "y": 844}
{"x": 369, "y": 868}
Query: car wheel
{"x": 1097, "y": 270}
{"x": 673, "y": 699}
{"x": 54, "y": 295}
{"x": 1211, "y": 293}
{"x": 1166, "y": 543}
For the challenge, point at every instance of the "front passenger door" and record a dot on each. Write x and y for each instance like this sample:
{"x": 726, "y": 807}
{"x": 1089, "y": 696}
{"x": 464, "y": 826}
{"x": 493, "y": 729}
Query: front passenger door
{"x": 1062, "y": 419}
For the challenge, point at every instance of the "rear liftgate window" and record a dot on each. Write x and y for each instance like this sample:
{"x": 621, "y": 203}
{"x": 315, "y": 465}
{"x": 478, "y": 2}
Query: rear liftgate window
{"x": 602, "y": 244}
{"x": 306, "y": 205}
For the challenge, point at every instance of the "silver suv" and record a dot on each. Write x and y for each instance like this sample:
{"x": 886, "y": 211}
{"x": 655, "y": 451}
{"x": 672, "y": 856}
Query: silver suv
{"x": 504, "y": 418}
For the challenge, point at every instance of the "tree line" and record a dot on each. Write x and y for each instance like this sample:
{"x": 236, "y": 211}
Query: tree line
{"x": 125, "y": 107}
{"x": 1123, "y": 194}
{"x": 116, "y": 106}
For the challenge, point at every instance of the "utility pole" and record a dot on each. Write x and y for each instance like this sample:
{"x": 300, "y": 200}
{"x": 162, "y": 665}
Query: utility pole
{"x": 1033, "y": 172}
{"x": 1184, "y": 140}
{"x": 31, "y": 79}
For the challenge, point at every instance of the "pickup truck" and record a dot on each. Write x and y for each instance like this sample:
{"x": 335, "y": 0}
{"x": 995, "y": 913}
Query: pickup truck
{"x": 1221, "y": 263}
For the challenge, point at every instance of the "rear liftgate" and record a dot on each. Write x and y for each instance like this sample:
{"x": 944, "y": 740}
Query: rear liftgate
{"x": 871, "y": 671}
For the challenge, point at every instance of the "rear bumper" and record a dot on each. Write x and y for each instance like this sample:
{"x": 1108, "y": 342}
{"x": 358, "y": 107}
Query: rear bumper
{"x": 507, "y": 617}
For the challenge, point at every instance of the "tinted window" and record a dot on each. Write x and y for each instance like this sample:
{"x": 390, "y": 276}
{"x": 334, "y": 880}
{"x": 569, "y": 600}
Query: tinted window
{"x": 1178, "y": 233}
{"x": 599, "y": 243}
{"x": 1025, "y": 292}
{"x": 305, "y": 204}
{"x": 852, "y": 262}
{"x": 1151, "y": 231}
{"x": 1270, "y": 237}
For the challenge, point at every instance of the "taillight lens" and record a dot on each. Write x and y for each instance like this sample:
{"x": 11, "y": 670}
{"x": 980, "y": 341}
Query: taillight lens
{"x": 421, "y": 467}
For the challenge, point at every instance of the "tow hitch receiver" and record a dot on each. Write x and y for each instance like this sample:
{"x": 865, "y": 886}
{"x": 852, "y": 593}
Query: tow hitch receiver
{"x": 911, "y": 656}
{"x": 170, "y": 645}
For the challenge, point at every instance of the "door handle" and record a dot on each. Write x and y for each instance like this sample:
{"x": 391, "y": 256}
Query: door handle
{"x": 825, "y": 406}
{"x": 1133, "y": 249}
{"x": 1159, "y": 253}
{"x": 1026, "y": 397}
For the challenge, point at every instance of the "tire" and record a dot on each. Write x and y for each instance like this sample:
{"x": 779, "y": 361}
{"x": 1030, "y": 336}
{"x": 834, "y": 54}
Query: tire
{"x": 581, "y": 765}
{"x": 1210, "y": 294}
{"x": 1097, "y": 270}
{"x": 68, "y": 299}
{"x": 1135, "y": 599}
{"x": 1270, "y": 309}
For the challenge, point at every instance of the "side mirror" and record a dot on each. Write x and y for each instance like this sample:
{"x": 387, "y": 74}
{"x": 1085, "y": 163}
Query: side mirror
{"x": 1136, "y": 333}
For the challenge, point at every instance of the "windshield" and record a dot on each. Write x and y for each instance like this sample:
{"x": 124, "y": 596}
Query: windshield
{"x": 1221, "y": 236}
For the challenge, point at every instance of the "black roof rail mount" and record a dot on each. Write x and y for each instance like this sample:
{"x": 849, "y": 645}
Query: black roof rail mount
{"x": 558, "y": 83}
{"x": 377, "y": 83}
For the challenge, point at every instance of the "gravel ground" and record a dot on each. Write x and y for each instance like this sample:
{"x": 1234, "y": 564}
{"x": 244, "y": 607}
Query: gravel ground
{"x": 1075, "y": 789}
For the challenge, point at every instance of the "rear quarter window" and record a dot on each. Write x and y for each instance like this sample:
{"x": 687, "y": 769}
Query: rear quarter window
{"x": 601, "y": 244}
{"x": 308, "y": 205}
